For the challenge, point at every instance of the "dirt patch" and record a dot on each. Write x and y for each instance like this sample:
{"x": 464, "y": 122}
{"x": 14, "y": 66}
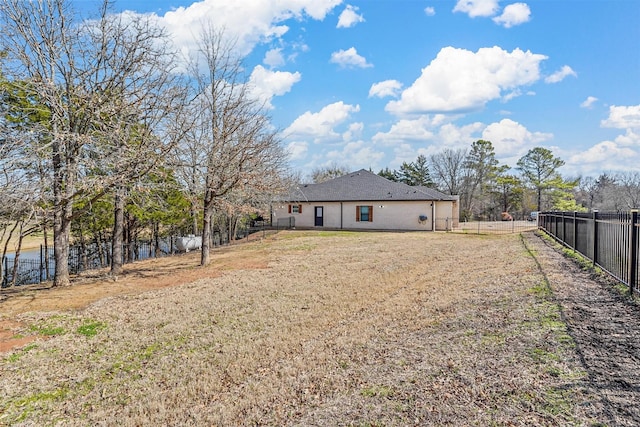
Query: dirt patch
{"x": 137, "y": 277}
{"x": 92, "y": 286}
{"x": 312, "y": 328}
{"x": 9, "y": 336}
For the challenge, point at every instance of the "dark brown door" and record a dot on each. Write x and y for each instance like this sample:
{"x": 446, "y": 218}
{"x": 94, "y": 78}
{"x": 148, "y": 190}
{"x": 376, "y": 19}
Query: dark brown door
{"x": 319, "y": 213}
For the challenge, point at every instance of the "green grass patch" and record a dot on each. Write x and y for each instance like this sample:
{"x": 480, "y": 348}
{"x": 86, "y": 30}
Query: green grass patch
{"x": 32, "y": 402}
{"x": 558, "y": 402}
{"x": 543, "y": 356}
{"x": 17, "y": 355}
{"x": 377, "y": 391}
{"x": 47, "y": 330}
{"x": 91, "y": 328}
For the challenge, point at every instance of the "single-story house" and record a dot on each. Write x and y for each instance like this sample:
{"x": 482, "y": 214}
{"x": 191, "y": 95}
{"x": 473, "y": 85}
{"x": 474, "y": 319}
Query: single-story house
{"x": 365, "y": 200}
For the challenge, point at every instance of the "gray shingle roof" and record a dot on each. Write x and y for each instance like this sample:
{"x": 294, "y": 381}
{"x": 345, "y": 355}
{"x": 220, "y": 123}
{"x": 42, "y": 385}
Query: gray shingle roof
{"x": 362, "y": 185}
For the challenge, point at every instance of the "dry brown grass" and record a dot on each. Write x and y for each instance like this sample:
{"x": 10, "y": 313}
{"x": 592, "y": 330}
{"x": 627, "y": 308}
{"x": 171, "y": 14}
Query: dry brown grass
{"x": 333, "y": 328}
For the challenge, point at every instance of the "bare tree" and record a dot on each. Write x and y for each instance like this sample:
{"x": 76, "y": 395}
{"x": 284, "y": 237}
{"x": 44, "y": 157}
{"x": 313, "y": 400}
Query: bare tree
{"x": 99, "y": 82}
{"x": 481, "y": 167}
{"x": 136, "y": 127}
{"x": 325, "y": 173}
{"x": 232, "y": 146}
{"x": 629, "y": 183}
{"x": 447, "y": 169}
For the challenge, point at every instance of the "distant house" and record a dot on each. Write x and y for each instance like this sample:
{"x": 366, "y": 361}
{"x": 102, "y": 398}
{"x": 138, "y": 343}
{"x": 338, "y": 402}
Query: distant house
{"x": 364, "y": 200}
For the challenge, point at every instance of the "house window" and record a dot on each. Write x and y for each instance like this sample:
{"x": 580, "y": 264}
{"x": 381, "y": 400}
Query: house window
{"x": 296, "y": 209}
{"x": 364, "y": 213}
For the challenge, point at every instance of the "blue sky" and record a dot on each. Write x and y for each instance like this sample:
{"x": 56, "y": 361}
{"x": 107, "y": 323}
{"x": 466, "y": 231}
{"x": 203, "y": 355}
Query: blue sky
{"x": 374, "y": 83}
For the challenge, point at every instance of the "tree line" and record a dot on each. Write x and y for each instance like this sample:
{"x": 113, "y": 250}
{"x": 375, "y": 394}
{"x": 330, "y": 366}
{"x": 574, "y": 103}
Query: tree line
{"x": 105, "y": 134}
{"x": 487, "y": 188}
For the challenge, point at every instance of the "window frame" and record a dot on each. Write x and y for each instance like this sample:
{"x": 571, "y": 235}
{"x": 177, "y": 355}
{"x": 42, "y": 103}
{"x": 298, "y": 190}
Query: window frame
{"x": 359, "y": 213}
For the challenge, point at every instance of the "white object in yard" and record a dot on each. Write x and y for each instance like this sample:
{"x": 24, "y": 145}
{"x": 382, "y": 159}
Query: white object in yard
{"x": 189, "y": 242}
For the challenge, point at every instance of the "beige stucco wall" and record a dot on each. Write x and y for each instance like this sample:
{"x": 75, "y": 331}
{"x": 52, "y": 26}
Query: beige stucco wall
{"x": 386, "y": 215}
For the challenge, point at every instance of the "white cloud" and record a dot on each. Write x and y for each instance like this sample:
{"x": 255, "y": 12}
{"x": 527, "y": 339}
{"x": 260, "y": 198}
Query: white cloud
{"x": 297, "y": 150}
{"x": 514, "y": 14}
{"x": 452, "y": 136}
{"x": 354, "y": 131}
{"x": 430, "y": 11}
{"x": 511, "y": 95}
{"x": 475, "y": 8}
{"x": 349, "y": 17}
{"x": 510, "y": 138}
{"x": 459, "y": 80}
{"x": 266, "y": 84}
{"x": 623, "y": 153}
{"x": 405, "y": 153}
{"x": 623, "y": 117}
{"x": 321, "y": 125}
{"x": 356, "y": 154}
{"x": 349, "y": 58}
{"x": 248, "y": 22}
{"x": 606, "y": 156}
{"x": 588, "y": 103}
{"x": 405, "y": 130}
{"x": 559, "y": 75}
{"x": 385, "y": 88}
{"x": 273, "y": 58}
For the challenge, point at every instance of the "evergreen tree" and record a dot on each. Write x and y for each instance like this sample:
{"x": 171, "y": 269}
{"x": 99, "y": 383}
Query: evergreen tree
{"x": 481, "y": 167}
{"x": 539, "y": 168}
{"x": 391, "y": 175}
{"x": 416, "y": 173}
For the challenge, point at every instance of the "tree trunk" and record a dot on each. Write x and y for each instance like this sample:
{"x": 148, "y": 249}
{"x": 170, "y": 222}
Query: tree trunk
{"x": 194, "y": 217}
{"x": 16, "y": 258}
{"x": 156, "y": 239}
{"x": 98, "y": 242}
{"x": 131, "y": 236}
{"x": 205, "y": 258}
{"x": 539, "y": 198}
{"x": 118, "y": 231}
{"x": 4, "y": 251}
{"x": 63, "y": 187}
{"x": 61, "y": 233}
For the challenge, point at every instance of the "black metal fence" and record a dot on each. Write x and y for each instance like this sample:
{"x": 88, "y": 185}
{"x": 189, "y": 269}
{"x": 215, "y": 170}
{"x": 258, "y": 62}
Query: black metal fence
{"x": 610, "y": 240}
{"x": 490, "y": 227}
{"x": 285, "y": 223}
{"x": 39, "y": 266}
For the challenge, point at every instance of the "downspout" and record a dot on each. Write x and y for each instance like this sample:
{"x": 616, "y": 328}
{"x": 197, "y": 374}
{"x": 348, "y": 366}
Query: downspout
{"x": 433, "y": 215}
{"x": 341, "y": 215}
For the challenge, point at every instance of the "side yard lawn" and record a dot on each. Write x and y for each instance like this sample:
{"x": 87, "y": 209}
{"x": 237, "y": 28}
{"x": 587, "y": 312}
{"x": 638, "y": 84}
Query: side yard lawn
{"x": 315, "y": 328}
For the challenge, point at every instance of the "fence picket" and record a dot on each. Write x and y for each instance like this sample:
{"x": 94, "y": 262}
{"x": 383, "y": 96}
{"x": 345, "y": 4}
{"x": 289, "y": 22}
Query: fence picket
{"x": 612, "y": 238}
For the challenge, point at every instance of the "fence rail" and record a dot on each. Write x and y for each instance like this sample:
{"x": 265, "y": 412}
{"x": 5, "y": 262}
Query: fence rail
{"x": 609, "y": 240}
{"x": 493, "y": 227}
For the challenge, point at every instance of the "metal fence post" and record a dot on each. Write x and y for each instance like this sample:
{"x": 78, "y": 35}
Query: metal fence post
{"x": 41, "y": 263}
{"x": 575, "y": 230}
{"x": 595, "y": 238}
{"x": 633, "y": 251}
